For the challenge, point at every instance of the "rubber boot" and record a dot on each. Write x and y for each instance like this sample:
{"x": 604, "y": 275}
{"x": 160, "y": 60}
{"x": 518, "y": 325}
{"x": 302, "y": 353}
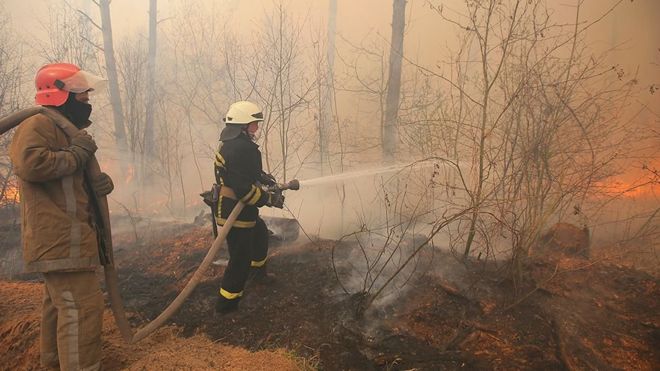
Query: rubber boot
{"x": 225, "y": 306}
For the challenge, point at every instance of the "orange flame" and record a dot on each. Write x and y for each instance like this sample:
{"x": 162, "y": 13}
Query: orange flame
{"x": 11, "y": 195}
{"x": 628, "y": 189}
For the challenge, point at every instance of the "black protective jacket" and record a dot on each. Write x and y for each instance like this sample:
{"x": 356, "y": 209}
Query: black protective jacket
{"x": 238, "y": 167}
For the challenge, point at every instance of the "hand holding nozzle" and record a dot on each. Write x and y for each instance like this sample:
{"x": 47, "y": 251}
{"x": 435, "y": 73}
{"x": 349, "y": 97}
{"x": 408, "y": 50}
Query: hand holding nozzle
{"x": 276, "y": 196}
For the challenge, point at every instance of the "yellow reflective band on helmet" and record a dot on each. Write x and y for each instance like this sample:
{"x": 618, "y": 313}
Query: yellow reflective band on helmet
{"x": 230, "y": 295}
{"x": 258, "y": 264}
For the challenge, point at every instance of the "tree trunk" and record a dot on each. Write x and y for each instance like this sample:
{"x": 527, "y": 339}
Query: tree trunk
{"x": 151, "y": 92}
{"x": 113, "y": 82}
{"x": 477, "y": 198}
{"x": 87, "y": 52}
{"x": 394, "y": 81}
{"x": 327, "y": 101}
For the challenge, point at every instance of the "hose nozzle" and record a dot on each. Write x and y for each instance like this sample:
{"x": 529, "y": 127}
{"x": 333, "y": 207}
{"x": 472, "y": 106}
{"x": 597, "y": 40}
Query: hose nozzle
{"x": 293, "y": 185}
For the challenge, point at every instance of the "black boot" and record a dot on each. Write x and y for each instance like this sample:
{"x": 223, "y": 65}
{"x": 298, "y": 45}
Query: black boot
{"x": 224, "y": 305}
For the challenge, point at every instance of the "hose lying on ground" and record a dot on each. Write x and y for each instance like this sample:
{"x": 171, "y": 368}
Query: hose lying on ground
{"x": 190, "y": 286}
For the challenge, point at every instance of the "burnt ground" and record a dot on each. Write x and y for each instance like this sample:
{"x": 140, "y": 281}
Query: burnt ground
{"x": 568, "y": 313}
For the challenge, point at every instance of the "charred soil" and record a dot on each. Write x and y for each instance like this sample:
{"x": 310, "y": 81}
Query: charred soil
{"x": 568, "y": 313}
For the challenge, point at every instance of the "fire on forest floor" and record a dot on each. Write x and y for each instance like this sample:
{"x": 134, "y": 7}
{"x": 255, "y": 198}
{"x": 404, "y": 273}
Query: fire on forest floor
{"x": 569, "y": 313}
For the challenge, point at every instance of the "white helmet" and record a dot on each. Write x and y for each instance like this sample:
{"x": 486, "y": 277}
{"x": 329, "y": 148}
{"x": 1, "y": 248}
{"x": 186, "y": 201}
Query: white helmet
{"x": 243, "y": 113}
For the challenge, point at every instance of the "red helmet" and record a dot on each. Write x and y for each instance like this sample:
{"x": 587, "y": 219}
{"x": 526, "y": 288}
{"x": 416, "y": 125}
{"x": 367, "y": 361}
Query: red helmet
{"x": 55, "y": 81}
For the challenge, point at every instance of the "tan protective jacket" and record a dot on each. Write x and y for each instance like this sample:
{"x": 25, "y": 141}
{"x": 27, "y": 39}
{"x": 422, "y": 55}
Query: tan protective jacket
{"x": 57, "y": 228}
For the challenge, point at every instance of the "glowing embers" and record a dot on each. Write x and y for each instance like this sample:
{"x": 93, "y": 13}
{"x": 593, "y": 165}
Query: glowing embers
{"x": 9, "y": 195}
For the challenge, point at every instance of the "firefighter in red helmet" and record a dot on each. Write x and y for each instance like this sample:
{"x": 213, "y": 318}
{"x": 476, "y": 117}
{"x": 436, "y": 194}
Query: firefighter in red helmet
{"x": 59, "y": 237}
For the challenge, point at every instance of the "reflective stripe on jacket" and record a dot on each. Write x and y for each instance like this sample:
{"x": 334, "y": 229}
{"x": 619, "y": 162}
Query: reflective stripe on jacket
{"x": 56, "y": 226}
{"x": 238, "y": 167}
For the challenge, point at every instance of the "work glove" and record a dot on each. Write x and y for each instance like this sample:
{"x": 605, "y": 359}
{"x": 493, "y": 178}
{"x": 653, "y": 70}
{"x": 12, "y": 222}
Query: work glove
{"x": 103, "y": 185}
{"x": 276, "y": 199}
{"x": 83, "y": 147}
{"x": 267, "y": 179}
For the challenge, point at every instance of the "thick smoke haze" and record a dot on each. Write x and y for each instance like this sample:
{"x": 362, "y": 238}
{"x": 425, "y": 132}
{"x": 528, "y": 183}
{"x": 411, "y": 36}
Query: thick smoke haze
{"x": 211, "y": 53}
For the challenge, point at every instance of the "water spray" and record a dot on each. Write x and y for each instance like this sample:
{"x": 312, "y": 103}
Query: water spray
{"x": 361, "y": 173}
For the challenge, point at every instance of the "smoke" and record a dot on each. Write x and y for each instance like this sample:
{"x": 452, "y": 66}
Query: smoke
{"x": 395, "y": 196}
{"x": 381, "y": 219}
{"x": 202, "y": 67}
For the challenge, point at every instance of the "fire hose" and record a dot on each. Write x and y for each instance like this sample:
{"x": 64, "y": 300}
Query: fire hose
{"x": 197, "y": 276}
{"x": 199, "y": 273}
{"x": 93, "y": 170}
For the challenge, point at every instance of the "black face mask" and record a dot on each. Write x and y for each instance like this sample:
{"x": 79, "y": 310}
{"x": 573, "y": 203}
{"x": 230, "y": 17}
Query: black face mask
{"x": 76, "y": 111}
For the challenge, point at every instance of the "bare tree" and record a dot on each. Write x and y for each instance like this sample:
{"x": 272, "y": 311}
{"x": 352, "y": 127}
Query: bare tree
{"x": 132, "y": 63}
{"x": 198, "y": 81}
{"x": 192, "y": 95}
{"x": 151, "y": 79}
{"x": 283, "y": 91}
{"x": 535, "y": 124}
{"x": 390, "y": 127}
{"x": 70, "y": 38}
{"x": 113, "y": 81}
{"x": 364, "y": 78}
{"x": 327, "y": 88}
{"x": 11, "y": 74}
{"x": 171, "y": 153}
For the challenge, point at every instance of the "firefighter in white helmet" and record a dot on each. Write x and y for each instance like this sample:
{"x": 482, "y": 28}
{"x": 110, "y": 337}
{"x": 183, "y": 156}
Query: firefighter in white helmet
{"x": 239, "y": 172}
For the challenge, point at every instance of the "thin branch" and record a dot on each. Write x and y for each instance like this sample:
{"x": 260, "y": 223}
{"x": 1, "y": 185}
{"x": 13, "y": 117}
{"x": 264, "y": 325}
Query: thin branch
{"x": 436, "y": 230}
{"x": 89, "y": 19}
{"x": 97, "y": 46}
{"x": 538, "y": 286}
{"x": 164, "y": 19}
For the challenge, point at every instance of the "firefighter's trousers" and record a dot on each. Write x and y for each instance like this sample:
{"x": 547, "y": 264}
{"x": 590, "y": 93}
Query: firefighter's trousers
{"x": 248, "y": 247}
{"x": 72, "y": 317}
